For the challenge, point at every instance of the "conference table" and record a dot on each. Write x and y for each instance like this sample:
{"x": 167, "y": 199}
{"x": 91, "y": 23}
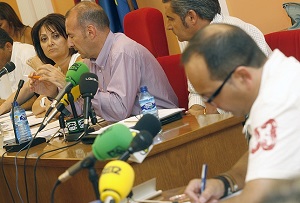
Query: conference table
{"x": 215, "y": 139}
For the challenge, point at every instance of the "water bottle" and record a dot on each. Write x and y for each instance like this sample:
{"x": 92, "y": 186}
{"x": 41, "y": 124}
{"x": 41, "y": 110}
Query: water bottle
{"x": 23, "y": 132}
{"x": 147, "y": 102}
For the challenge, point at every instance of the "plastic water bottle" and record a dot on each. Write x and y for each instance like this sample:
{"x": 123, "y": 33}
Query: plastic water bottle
{"x": 23, "y": 132}
{"x": 147, "y": 102}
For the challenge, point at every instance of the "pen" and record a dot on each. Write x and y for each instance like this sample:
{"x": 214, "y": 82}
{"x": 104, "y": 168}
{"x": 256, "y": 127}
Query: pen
{"x": 203, "y": 177}
{"x": 34, "y": 76}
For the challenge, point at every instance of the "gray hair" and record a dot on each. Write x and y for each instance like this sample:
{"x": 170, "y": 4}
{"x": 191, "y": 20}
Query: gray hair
{"x": 205, "y": 9}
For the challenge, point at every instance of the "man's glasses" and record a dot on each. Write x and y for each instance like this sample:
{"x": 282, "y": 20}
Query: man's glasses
{"x": 217, "y": 92}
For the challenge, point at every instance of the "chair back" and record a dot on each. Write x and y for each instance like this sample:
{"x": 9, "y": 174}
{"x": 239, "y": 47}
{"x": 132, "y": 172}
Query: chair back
{"x": 287, "y": 41}
{"x": 175, "y": 72}
{"x": 146, "y": 26}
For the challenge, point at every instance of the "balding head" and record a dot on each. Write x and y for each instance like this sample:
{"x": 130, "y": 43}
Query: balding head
{"x": 224, "y": 47}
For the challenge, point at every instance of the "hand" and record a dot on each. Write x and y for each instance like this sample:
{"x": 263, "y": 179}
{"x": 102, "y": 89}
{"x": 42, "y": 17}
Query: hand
{"x": 197, "y": 110}
{"x": 42, "y": 87}
{"x": 212, "y": 193}
{"x": 34, "y": 62}
{"x": 51, "y": 74}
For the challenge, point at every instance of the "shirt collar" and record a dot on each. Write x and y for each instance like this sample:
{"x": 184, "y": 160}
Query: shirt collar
{"x": 217, "y": 19}
{"x": 104, "y": 53}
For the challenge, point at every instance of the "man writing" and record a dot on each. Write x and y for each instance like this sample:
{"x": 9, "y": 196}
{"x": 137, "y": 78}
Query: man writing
{"x": 244, "y": 81}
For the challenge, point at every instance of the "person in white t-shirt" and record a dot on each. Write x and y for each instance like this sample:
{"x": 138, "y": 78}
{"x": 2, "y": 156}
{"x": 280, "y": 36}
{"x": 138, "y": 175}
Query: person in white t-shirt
{"x": 242, "y": 80}
{"x": 186, "y": 17}
{"x": 18, "y": 53}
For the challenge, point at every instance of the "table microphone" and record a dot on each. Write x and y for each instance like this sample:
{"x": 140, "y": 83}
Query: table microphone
{"x": 9, "y": 67}
{"x": 17, "y": 147}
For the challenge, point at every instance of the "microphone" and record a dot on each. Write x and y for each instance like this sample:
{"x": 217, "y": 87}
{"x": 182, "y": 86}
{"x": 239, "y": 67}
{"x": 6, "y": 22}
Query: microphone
{"x": 9, "y": 66}
{"x": 88, "y": 86}
{"x": 111, "y": 143}
{"x": 93, "y": 115}
{"x": 141, "y": 141}
{"x": 64, "y": 102}
{"x": 116, "y": 181}
{"x": 72, "y": 79}
{"x": 149, "y": 123}
{"x": 76, "y": 94}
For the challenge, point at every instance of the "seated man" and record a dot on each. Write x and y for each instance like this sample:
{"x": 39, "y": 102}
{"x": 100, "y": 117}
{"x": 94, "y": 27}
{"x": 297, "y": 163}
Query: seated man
{"x": 18, "y": 53}
{"x": 121, "y": 64}
{"x": 185, "y": 18}
{"x": 244, "y": 81}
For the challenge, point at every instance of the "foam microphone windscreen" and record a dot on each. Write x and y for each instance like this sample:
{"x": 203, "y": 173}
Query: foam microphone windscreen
{"x": 10, "y": 66}
{"x": 75, "y": 71}
{"x": 76, "y": 94}
{"x": 88, "y": 84}
{"x": 149, "y": 123}
{"x": 116, "y": 181}
{"x": 113, "y": 142}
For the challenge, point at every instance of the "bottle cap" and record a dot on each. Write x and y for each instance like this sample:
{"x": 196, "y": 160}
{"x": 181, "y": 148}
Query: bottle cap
{"x": 15, "y": 103}
{"x": 143, "y": 89}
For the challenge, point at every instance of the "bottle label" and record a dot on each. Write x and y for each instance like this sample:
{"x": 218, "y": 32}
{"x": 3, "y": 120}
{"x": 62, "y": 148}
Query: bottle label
{"x": 148, "y": 105}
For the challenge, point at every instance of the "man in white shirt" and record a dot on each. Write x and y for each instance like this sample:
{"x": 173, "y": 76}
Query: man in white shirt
{"x": 18, "y": 53}
{"x": 186, "y": 17}
{"x": 242, "y": 80}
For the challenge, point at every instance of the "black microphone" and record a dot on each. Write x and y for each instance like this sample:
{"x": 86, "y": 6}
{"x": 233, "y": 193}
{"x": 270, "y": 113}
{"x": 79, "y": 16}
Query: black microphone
{"x": 9, "y": 66}
{"x": 141, "y": 141}
{"x": 88, "y": 86}
{"x": 149, "y": 123}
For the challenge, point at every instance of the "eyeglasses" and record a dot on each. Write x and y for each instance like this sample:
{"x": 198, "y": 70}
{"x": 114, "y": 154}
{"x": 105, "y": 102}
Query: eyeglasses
{"x": 217, "y": 92}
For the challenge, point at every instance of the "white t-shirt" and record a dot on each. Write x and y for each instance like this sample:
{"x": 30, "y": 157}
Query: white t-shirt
{"x": 20, "y": 54}
{"x": 254, "y": 32}
{"x": 274, "y": 121}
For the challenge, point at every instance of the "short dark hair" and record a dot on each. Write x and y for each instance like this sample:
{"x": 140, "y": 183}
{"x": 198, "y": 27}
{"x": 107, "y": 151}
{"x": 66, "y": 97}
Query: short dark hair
{"x": 90, "y": 12}
{"x": 7, "y": 13}
{"x": 53, "y": 21}
{"x": 224, "y": 47}
{"x": 205, "y": 9}
{"x": 4, "y": 37}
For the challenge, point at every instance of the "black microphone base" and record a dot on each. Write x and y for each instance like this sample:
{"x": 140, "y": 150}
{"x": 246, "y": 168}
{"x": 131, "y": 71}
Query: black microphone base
{"x": 71, "y": 137}
{"x": 18, "y": 147}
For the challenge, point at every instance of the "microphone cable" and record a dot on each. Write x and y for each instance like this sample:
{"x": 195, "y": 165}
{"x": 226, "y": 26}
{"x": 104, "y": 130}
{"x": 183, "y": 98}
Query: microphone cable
{"x": 4, "y": 175}
{"x": 36, "y": 163}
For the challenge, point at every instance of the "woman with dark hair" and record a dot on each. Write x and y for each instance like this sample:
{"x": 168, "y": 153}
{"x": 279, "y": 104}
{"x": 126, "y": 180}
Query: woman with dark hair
{"x": 50, "y": 42}
{"x": 10, "y": 22}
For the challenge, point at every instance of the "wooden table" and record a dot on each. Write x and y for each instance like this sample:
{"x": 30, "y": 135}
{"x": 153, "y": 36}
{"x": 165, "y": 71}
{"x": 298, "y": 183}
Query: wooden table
{"x": 188, "y": 143}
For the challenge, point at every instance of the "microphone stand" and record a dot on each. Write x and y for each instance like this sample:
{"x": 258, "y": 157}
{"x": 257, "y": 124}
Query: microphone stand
{"x": 93, "y": 177}
{"x": 72, "y": 104}
{"x": 20, "y": 85}
{"x": 63, "y": 112}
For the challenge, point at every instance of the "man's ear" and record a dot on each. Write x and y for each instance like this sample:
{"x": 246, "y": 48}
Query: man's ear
{"x": 91, "y": 31}
{"x": 191, "y": 17}
{"x": 8, "y": 46}
{"x": 243, "y": 76}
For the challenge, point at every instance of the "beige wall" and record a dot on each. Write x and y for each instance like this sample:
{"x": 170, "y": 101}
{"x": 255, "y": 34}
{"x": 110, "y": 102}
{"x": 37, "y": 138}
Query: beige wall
{"x": 62, "y": 6}
{"x": 268, "y": 16}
